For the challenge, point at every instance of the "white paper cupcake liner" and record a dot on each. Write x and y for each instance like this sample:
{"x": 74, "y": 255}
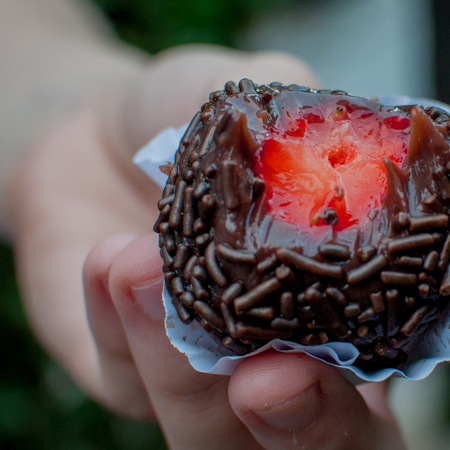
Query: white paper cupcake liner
{"x": 207, "y": 355}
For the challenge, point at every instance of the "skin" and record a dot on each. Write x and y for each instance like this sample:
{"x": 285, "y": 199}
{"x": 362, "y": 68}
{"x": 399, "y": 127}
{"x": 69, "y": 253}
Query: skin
{"x": 77, "y": 187}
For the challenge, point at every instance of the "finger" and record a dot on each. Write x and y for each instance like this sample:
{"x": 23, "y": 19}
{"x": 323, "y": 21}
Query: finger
{"x": 192, "y": 407}
{"x": 376, "y": 398}
{"x": 117, "y": 384}
{"x": 178, "y": 81}
{"x": 295, "y": 401}
{"x": 375, "y": 395}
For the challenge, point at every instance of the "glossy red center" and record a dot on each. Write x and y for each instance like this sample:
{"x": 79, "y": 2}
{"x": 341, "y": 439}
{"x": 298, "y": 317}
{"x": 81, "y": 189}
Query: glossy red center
{"x": 330, "y": 157}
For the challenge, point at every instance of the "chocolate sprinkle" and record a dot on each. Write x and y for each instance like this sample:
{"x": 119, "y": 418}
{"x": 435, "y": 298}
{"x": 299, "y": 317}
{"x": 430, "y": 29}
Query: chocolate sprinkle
{"x": 336, "y": 295}
{"x": 310, "y": 339}
{"x": 334, "y": 251}
{"x": 199, "y": 291}
{"x": 188, "y": 299}
{"x": 168, "y": 190}
{"x": 163, "y": 215}
{"x": 431, "y": 261}
{"x": 262, "y": 312}
{"x": 255, "y": 295}
{"x": 352, "y": 309}
{"x": 177, "y": 205}
{"x": 200, "y": 273}
{"x": 362, "y": 273}
{"x": 427, "y": 223}
{"x": 400, "y": 221}
{"x": 177, "y": 286}
{"x": 445, "y": 255}
{"x": 199, "y": 226}
{"x": 181, "y": 257}
{"x": 236, "y": 256}
{"x": 309, "y": 265}
{"x": 377, "y": 301}
{"x": 366, "y": 253}
{"x": 284, "y": 273}
{"x": 190, "y": 130}
{"x": 409, "y": 261}
{"x": 287, "y": 305}
{"x": 424, "y": 290}
{"x": 416, "y": 319}
{"x": 392, "y": 299}
{"x": 209, "y": 314}
{"x": 410, "y": 243}
{"x": 400, "y": 278}
{"x": 200, "y": 190}
{"x": 268, "y": 264}
{"x": 265, "y": 334}
{"x": 229, "y": 320}
{"x": 366, "y": 315}
{"x": 204, "y": 147}
{"x": 234, "y": 345}
{"x": 202, "y": 241}
{"x": 183, "y": 313}
{"x": 444, "y": 290}
{"x": 166, "y": 201}
{"x": 208, "y": 201}
{"x": 443, "y": 182}
{"x": 169, "y": 275}
{"x": 168, "y": 237}
{"x": 212, "y": 266}
{"x": 231, "y": 292}
{"x": 285, "y": 324}
{"x": 386, "y": 351}
{"x": 189, "y": 267}
{"x": 188, "y": 212}
{"x": 231, "y": 87}
{"x": 168, "y": 260}
{"x": 434, "y": 203}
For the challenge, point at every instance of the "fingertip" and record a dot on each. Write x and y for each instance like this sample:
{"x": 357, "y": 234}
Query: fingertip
{"x": 274, "y": 393}
{"x": 102, "y": 316}
{"x": 116, "y": 382}
{"x": 138, "y": 264}
{"x": 100, "y": 258}
{"x": 272, "y": 378}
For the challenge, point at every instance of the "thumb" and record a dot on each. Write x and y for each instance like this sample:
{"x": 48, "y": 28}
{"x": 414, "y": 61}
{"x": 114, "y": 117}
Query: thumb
{"x": 294, "y": 401}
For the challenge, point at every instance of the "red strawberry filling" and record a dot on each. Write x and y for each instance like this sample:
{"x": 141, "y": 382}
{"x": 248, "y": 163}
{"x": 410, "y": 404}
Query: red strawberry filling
{"x": 324, "y": 166}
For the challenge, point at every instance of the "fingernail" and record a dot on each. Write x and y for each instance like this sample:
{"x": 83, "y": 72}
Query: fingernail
{"x": 149, "y": 297}
{"x": 296, "y": 413}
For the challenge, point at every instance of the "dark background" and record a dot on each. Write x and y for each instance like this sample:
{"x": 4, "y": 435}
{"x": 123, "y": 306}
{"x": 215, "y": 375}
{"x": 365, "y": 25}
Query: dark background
{"x": 442, "y": 48}
{"x": 40, "y": 407}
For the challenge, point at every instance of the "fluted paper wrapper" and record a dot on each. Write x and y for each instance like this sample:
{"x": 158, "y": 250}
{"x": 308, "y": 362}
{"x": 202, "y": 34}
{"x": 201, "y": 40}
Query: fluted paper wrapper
{"x": 207, "y": 355}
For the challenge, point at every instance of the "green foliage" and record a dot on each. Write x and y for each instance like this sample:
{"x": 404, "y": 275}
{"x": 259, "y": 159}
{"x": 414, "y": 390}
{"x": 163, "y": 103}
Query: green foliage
{"x": 40, "y": 406}
{"x": 154, "y": 25}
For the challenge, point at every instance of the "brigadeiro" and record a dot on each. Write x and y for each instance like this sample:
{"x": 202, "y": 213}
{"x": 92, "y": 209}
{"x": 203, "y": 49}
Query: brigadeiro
{"x": 309, "y": 216}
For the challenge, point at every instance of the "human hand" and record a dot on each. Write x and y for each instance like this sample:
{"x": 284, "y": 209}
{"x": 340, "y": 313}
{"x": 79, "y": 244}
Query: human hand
{"x": 282, "y": 400}
{"x": 78, "y": 186}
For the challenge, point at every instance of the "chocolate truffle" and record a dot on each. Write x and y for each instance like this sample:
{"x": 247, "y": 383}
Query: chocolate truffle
{"x": 310, "y": 216}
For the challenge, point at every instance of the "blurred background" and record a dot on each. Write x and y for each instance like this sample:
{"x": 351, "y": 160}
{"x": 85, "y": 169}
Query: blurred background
{"x": 366, "y": 47}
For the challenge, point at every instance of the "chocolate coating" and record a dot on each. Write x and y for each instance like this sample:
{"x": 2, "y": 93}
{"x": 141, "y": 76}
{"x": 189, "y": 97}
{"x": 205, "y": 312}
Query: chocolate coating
{"x": 250, "y": 277}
